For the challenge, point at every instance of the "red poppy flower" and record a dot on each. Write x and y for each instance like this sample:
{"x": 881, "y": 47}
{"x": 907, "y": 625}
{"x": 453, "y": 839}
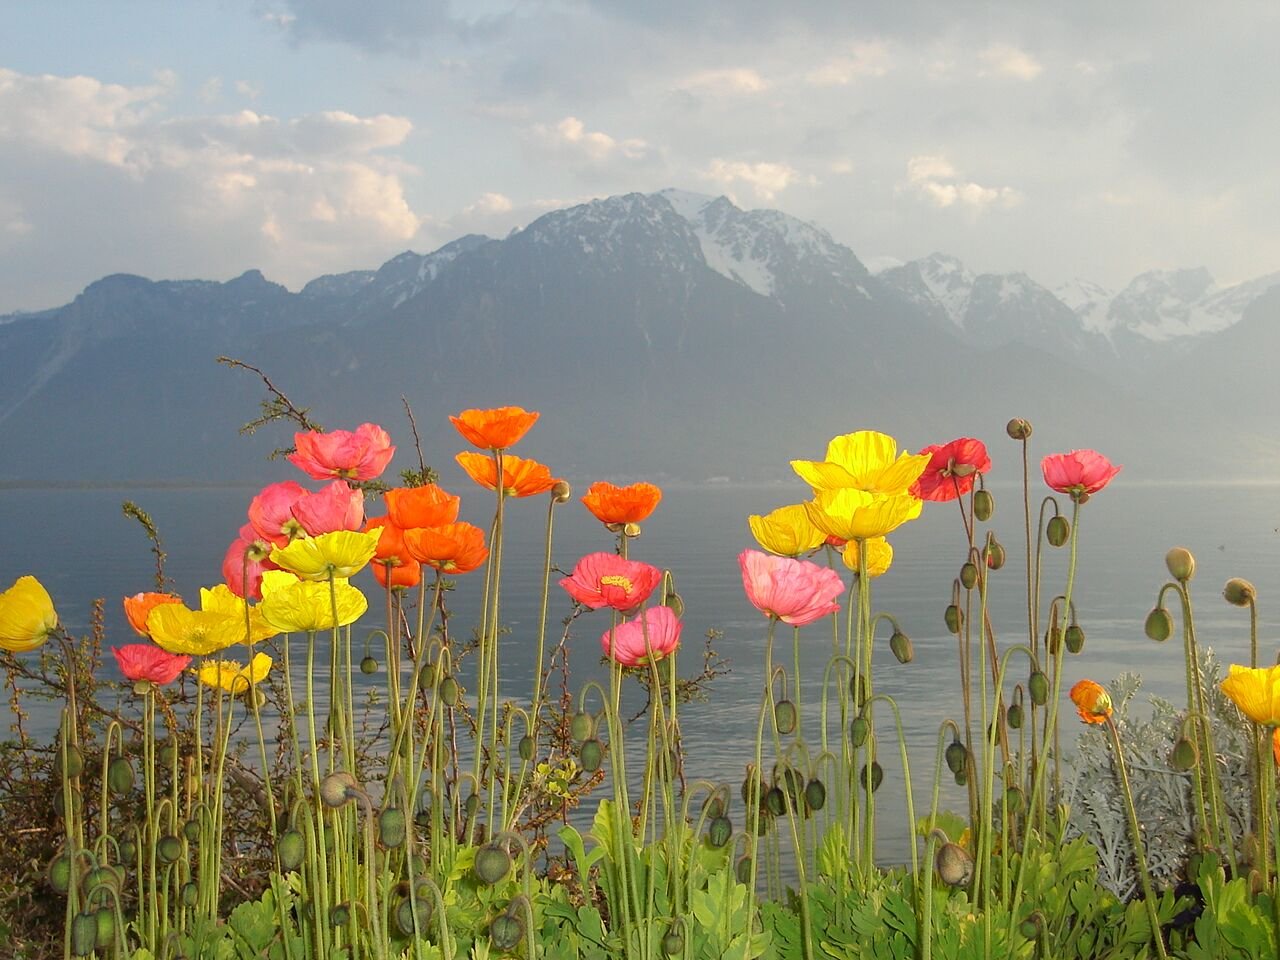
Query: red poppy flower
{"x": 271, "y": 512}
{"x": 425, "y": 506}
{"x": 1078, "y": 473}
{"x": 245, "y": 578}
{"x": 146, "y": 661}
{"x": 494, "y": 429}
{"x": 951, "y": 469}
{"x": 361, "y": 454}
{"x": 335, "y": 506}
{"x": 520, "y": 477}
{"x": 606, "y": 580}
{"x": 452, "y": 548}
{"x": 138, "y": 607}
{"x": 613, "y": 504}
{"x": 795, "y": 591}
{"x": 656, "y": 633}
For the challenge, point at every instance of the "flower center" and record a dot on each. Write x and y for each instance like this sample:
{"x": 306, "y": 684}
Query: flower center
{"x": 617, "y": 580}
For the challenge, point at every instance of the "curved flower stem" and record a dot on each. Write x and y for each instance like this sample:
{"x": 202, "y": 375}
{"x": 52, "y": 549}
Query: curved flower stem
{"x": 926, "y": 907}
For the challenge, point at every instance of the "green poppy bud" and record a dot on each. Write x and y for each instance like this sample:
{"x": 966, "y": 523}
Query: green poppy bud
{"x": 1239, "y": 592}
{"x": 291, "y": 847}
{"x": 1057, "y": 531}
{"x": 169, "y": 849}
{"x": 340, "y": 915}
{"x": 427, "y": 677}
{"x": 994, "y": 554}
{"x": 742, "y": 870}
{"x": 775, "y": 801}
{"x": 858, "y": 690}
{"x": 956, "y": 756}
{"x": 525, "y": 748}
{"x": 190, "y": 894}
{"x": 953, "y": 617}
{"x": 471, "y": 806}
{"x": 591, "y": 755}
{"x": 1013, "y": 799}
{"x": 673, "y": 944}
{"x": 84, "y": 934}
{"x": 581, "y": 726}
{"x": 191, "y": 830}
{"x": 1038, "y": 687}
{"x": 69, "y": 763}
{"x": 338, "y": 789}
{"x": 901, "y": 646}
{"x": 409, "y": 911}
{"x": 675, "y": 602}
{"x": 983, "y": 505}
{"x": 714, "y": 807}
{"x": 954, "y": 865}
{"x": 1014, "y": 716}
{"x": 859, "y": 730}
{"x": 393, "y": 827}
{"x": 785, "y": 716}
{"x": 961, "y": 778}
{"x": 968, "y": 575}
{"x": 873, "y": 775}
{"x": 815, "y": 794}
{"x": 1159, "y": 624}
{"x": 120, "y": 776}
{"x": 1180, "y": 564}
{"x": 128, "y": 850}
{"x": 719, "y": 831}
{"x": 59, "y": 873}
{"x": 493, "y": 863}
{"x": 450, "y": 692}
{"x": 1073, "y": 637}
{"x": 105, "y": 917}
{"x": 1031, "y": 925}
{"x": 1018, "y": 429}
{"x": 168, "y": 755}
{"x": 368, "y": 665}
{"x": 1185, "y": 756}
{"x": 506, "y": 931}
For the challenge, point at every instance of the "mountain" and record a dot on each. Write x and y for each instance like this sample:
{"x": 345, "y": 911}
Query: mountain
{"x": 661, "y": 335}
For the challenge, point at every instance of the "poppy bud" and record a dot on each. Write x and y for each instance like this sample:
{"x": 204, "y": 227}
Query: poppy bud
{"x": 742, "y": 869}
{"x": 961, "y": 778}
{"x": 450, "y": 692}
{"x": 493, "y": 863}
{"x": 60, "y": 873}
{"x": 775, "y": 801}
{"x": 1159, "y": 624}
{"x": 631, "y": 530}
{"x": 673, "y": 943}
{"x": 1014, "y": 716}
{"x": 471, "y": 806}
{"x": 956, "y": 756}
{"x": 1013, "y": 799}
{"x": 815, "y": 794}
{"x": 84, "y": 934}
{"x": 340, "y": 915}
{"x": 190, "y": 893}
{"x": 1038, "y": 687}
{"x": 983, "y": 505}
{"x": 120, "y": 776}
{"x": 168, "y": 755}
{"x": 785, "y": 716}
{"x": 1074, "y": 638}
{"x": 427, "y": 677}
{"x": 994, "y": 555}
{"x": 169, "y": 849}
{"x": 412, "y": 911}
{"x": 1031, "y": 925}
{"x": 69, "y": 763}
{"x": 191, "y": 830}
{"x": 901, "y": 646}
{"x": 714, "y": 807}
{"x": 1057, "y": 530}
{"x": 581, "y": 726}
{"x": 1239, "y": 592}
{"x": 1180, "y": 564}
{"x": 859, "y": 730}
{"x": 368, "y": 665}
{"x": 953, "y": 617}
{"x": 525, "y": 748}
{"x": 106, "y": 921}
{"x": 749, "y": 785}
{"x": 1018, "y": 429}
{"x": 1185, "y": 756}
{"x": 338, "y": 789}
{"x": 591, "y": 755}
{"x": 954, "y": 864}
{"x": 291, "y": 848}
{"x": 561, "y": 492}
{"x": 872, "y": 775}
{"x": 128, "y": 849}
{"x": 719, "y": 831}
{"x": 675, "y": 602}
{"x": 968, "y": 575}
{"x": 506, "y": 931}
{"x": 393, "y": 827}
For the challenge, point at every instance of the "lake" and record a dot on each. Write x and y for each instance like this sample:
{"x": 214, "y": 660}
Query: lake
{"x": 81, "y": 546}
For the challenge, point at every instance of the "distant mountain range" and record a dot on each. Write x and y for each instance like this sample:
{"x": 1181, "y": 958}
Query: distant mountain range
{"x": 661, "y": 335}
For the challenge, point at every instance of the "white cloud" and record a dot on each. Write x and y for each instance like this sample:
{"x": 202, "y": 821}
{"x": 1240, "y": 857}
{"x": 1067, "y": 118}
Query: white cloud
{"x": 594, "y": 145}
{"x": 937, "y": 181}
{"x": 1004, "y": 60}
{"x": 490, "y": 203}
{"x": 728, "y": 81}
{"x": 867, "y": 60}
{"x": 247, "y": 89}
{"x": 766, "y": 179}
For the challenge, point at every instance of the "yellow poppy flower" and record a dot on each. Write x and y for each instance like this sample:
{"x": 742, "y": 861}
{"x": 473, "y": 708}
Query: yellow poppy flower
{"x": 787, "y": 531}
{"x": 342, "y": 553}
{"x": 231, "y": 676}
{"x": 865, "y": 460}
{"x": 304, "y": 606}
{"x": 222, "y": 600}
{"x": 1256, "y": 692}
{"x": 879, "y": 556}
{"x": 27, "y": 616}
{"x": 857, "y": 515}
{"x": 197, "y": 633}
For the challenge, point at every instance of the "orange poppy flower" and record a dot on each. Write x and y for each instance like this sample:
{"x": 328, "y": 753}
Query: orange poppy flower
{"x": 138, "y": 607}
{"x": 391, "y": 559}
{"x": 613, "y": 504}
{"x": 494, "y": 429}
{"x": 1275, "y": 745}
{"x": 425, "y": 506}
{"x": 452, "y": 548}
{"x": 400, "y": 573}
{"x": 1092, "y": 701}
{"x": 520, "y": 477}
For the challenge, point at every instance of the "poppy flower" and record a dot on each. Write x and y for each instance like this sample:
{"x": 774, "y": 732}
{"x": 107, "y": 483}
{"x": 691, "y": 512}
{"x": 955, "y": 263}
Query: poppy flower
{"x": 495, "y": 429}
{"x": 336, "y": 506}
{"x": 232, "y": 676}
{"x": 305, "y": 606}
{"x": 1275, "y": 745}
{"x": 1078, "y": 473}
{"x": 242, "y": 565}
{"x": 391, "y": 559}
{"x": 1092, "y": 701}
{"x": 424, "y": 506}
{"x": 852, "y": 514}
{"x": 787, "y": 531}
{"x": 879, "y": 556}
{"x": 451, "y": 548}
{"x": 342, "y": 553}
{"x": 27, "y": 616}
{"x": 611, "y": 504}
{"x": 138, "y": 607}
{"x": 359, "y": 454}
{"x": 271, "y": 512}
{"x": 795, "y": 591}
{"x": 607, "y": 580}
{"x": 951, "y": 468}
{"x": 147, "y": 662}
{"x": 626, "y": 643}
{"x": 865, "y": 460}
{"x": 520, "y": 477}
{"x": 1256, "y": 691}
{"x": 219, "y": 623}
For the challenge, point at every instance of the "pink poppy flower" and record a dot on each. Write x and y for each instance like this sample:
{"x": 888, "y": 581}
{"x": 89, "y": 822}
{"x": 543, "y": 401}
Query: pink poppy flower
{"x": 335, "y": 506}
{"x": 245, "y": 580}
{"x": 606, "y": 580}
{"x": 951, "y": 469}
{"x": 795, "y": 591}
{"x": 271, "y": 512}
{"x": 1079, "y": 473}
{"x": 146, "y": 661}
{"x": 361, "y": 454}
{"x": 625, "y": 643}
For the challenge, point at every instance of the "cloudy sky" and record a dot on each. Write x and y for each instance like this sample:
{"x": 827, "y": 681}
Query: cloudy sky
{"x": 202, "y": 138}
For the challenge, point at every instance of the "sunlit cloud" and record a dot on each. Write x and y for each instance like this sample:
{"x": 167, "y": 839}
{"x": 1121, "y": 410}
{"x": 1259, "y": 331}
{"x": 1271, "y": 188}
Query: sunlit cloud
{"x": 935, "y": 179}
{"x": 729, "y": 81}
{"x": 594, "y": 145}
{"x": 866, "y": 60}
{"x": 767, "y": 180}
{"x": 1003, "y": 60}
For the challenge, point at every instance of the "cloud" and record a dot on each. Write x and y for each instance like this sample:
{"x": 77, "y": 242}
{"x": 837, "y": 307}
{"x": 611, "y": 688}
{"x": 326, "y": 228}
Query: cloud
{"x": 766, "y": 179}
{"x": 728, "y": 81}
{"x": 937, "y": 181}
{"x": 1003, "y": 60}
{"x": 867, "y": 60}
{"x": 593, "y": 145}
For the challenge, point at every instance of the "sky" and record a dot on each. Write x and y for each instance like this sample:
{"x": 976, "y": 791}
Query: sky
{"x": 202, "y": 138}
